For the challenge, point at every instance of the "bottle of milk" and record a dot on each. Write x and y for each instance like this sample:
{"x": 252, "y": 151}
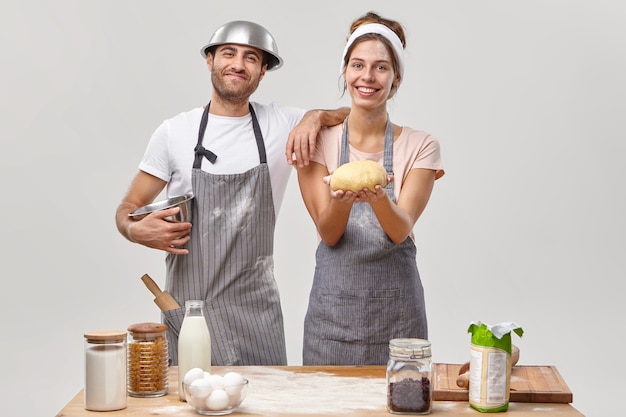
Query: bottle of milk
{"x": 194, "y": 342}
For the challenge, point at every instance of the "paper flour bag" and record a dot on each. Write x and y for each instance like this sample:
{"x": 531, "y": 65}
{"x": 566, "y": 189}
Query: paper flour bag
{"x": 490, "y": 365}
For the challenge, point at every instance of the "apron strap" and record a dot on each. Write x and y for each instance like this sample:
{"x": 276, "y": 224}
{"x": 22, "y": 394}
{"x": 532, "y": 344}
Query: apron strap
{"x": 258, "y": 136}
{"x": 201, "y": 151}
{"x": 388, "y": 153}
{"x": 344, "y": 156}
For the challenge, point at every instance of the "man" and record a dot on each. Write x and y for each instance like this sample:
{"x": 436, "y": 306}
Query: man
{"x": 231, "y": 156}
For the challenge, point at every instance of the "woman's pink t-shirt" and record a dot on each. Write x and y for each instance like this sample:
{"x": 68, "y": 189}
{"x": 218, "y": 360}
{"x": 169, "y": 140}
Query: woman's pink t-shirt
{"x": 412, "y": 149}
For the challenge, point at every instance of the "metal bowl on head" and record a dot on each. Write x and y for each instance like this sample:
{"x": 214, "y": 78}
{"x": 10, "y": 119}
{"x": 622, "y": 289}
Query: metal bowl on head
{"x": 246, "y": 33}
{"x": 183, "y": 201}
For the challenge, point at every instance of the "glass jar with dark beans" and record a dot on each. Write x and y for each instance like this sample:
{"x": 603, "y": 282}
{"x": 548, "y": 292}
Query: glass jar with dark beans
{"x": 409, "y": 371}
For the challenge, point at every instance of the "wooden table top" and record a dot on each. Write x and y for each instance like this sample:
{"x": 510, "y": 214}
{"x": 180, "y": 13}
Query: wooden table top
{"x": 311, "y": 391}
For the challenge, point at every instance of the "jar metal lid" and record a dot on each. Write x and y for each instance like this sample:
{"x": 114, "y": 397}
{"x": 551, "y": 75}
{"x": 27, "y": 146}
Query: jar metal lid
{"x": 105, "y": 336}
{"x": 410, "y": 348}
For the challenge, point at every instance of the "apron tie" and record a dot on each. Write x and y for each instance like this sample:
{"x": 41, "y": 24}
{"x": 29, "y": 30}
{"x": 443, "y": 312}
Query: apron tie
{"x": 201, "y": 150}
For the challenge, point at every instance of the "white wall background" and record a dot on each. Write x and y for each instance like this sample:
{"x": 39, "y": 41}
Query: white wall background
{"x": 526, "y": 97}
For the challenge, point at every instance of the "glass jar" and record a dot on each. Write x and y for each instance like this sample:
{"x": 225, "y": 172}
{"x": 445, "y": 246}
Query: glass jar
{"x": 105, "y": 370}
{"x": 147, "y": 360}
{"x": 409, "y": 372}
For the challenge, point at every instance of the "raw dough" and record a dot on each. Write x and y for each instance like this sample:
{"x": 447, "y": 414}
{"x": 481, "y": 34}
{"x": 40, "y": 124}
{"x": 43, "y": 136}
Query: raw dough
{"x": 356, "y": 175}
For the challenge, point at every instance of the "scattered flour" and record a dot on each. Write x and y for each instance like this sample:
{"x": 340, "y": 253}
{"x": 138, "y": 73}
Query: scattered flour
{"x": 314, "y": 393}
{"x": 172, "y": 410}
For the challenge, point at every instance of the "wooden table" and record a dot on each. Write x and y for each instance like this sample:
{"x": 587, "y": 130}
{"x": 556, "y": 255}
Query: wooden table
{"x": 353, "y": 391}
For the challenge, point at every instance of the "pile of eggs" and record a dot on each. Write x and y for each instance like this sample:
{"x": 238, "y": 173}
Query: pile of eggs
{"x": 211, "y": 393}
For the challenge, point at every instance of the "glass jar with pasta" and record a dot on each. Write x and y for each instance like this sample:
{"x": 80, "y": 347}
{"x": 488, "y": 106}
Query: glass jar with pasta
{"x": 147, "y": 360}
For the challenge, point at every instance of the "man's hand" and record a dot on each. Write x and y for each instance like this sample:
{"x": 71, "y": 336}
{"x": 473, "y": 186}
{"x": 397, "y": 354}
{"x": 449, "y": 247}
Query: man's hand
{"x": 301, "y": 141}
{"x": 155, "y": 232}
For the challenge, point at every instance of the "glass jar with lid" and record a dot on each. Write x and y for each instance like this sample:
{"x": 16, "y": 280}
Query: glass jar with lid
{"x": 409, "y": 372}
{"x": 105, "y": 370}
{"x": 147, "y": 360}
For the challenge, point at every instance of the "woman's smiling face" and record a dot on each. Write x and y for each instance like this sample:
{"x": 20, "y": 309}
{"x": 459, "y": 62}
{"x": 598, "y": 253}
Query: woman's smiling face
{"x": 369, "y": 74}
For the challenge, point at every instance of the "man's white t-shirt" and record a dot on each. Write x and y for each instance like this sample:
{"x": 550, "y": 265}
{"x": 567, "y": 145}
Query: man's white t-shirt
{"x": 170, "y": 152}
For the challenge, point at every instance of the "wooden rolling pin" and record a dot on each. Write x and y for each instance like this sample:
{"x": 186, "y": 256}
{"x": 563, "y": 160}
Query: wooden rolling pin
{"x": 163, "y": 299}
{"x": 463, "y": 378}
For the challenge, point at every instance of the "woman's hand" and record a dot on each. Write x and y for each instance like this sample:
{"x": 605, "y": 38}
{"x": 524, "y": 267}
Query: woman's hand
{"x": 364, "y": 196}
{"x": 342, "y": 196}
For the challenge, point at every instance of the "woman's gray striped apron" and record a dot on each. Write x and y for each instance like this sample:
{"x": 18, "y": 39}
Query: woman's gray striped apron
{"x": 230, "y": 263}
{"x": 366, "y": 289}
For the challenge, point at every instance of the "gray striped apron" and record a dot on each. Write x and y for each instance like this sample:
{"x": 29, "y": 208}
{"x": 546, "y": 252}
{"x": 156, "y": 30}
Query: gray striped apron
{"x": 366, "y": 289}
{"x": 230, "y": 263}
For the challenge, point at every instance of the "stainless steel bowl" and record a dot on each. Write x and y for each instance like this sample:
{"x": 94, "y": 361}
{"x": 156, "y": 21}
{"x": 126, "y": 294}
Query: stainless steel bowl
{"x": 183, "y": 201}
{"x": 246, "y": 33}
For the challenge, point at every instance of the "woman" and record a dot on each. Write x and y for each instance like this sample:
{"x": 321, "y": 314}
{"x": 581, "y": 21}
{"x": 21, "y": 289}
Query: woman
{"x": 367, "y": 289}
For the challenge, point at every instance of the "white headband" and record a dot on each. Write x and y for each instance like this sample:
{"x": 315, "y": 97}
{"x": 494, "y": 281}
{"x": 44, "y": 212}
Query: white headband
{"x": 381, "y": 30}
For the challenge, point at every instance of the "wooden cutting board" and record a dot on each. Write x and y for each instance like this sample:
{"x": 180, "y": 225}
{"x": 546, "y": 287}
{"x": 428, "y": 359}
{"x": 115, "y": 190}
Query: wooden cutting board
{"x": 531, "y": 384}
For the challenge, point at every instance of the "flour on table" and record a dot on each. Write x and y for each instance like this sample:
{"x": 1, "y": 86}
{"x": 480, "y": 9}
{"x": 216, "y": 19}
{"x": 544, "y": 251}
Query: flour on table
{"x": 312, "y": 393}
{"x": 171, "y": 410}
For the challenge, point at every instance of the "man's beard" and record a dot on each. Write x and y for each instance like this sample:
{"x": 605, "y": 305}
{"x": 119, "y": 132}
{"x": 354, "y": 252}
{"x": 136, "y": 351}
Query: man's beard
{"x": 232, "y": 95}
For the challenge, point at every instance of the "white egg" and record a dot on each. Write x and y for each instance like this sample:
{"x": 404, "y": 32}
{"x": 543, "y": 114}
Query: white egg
{"x": 197, "y": 403}
{"x": 215, "y": 381}
{"x": 232, "y": 378}
{"x": 207, "y": 374}
{"x": 193, "y": 374}
{"x": 232, "y": 383}
{"x": 217, "y": 400}
{"x": 200, "y": 388}
{"x": 235, "y": 399}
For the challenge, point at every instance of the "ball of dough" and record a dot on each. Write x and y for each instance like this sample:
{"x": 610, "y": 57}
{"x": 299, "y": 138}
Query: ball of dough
{"x": 356, "y": 175}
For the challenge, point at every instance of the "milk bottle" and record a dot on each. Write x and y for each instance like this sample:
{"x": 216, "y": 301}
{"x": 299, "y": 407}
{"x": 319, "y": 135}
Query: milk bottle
{"x": 194, "y": 343}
